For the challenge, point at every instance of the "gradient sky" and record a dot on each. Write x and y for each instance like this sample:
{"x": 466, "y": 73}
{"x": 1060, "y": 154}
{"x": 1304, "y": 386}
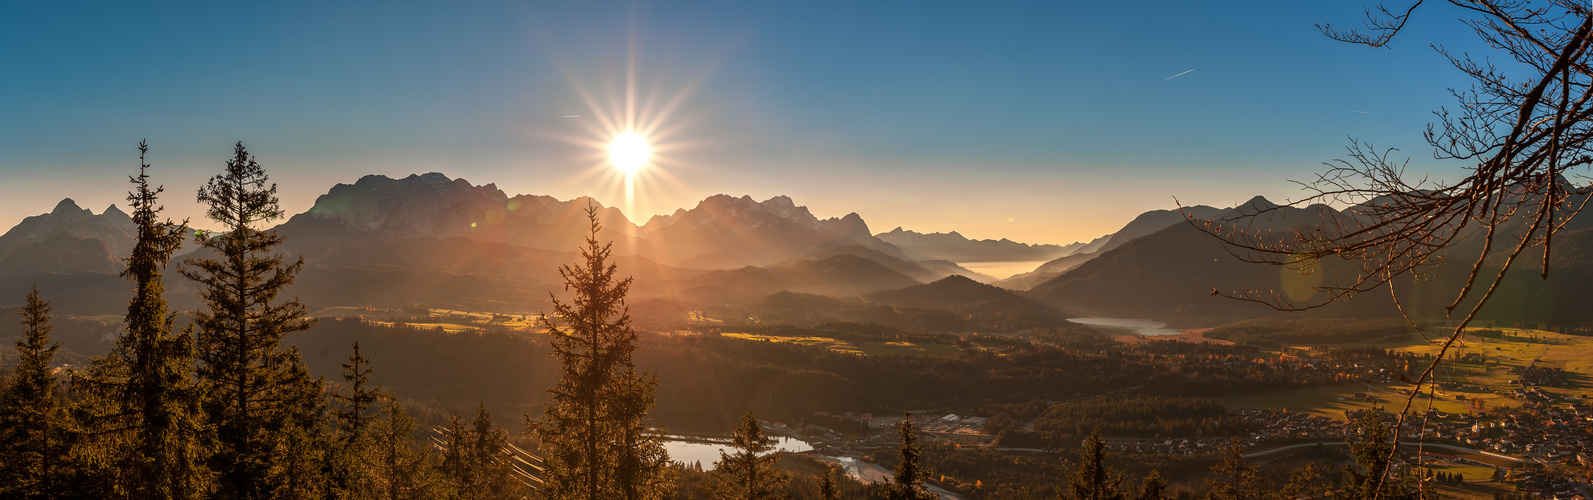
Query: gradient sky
{"x": 1041, "y": 122}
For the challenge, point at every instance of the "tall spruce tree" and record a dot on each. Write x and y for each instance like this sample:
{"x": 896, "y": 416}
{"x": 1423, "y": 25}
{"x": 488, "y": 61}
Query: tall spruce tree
{"x": 399, "y": 468}
{"x": 1092, "y": 480}
{"x": 454, "y": 464}
{"x": 476, "y": 459}
{"x": 591, "y": 434}
{"x": 251, "y": 392}
{"x": 344, "y": 465}
{"x": 354, "y": 417}
{"x": 304, "y": 440}
{"x": 641, "y": 466}
{"x": 749, "y": 473}
{"x": 908, "y": 481}
{"x": 36, "y": 433}
{"x": 140, "y": 400}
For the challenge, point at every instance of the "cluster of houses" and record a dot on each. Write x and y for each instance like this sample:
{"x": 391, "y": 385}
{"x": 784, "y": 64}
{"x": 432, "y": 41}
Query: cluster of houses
{"x": 1275, "y": 424}
{"x": 1539, "y": 375}
{"x": 1176, "y": 446}
{"x": 1549, "y": 486}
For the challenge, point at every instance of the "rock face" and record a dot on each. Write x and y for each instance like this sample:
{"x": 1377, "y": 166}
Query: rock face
{"x": 957, "y": 248}
{"x": 725, "y": 232}
{"x": 432, "y": 205}
{"x": 67, "y": 240}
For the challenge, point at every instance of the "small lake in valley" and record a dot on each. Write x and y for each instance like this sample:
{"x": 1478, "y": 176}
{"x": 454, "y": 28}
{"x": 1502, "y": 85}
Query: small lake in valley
{"x": 689, "y": 451}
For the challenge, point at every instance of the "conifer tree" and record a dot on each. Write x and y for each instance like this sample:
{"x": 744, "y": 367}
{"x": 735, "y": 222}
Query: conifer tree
{"x": 908, "y": 481}
{"x": 1371, "y": 444}
{"x": 398, "y": 462}
{"x": 827, "y": 487}
{"x": 453, "y": 465}
{"x": 303, "y": 442}
{"x": 749, "y": 474}
{"x": 1093, "y": 480}
{"x": 141, "y": 399}
{"x": 476, "y": 459}
{"x": 36, "y": 434}
{"x": 249, "y": 394}
{"x": 591, "y": 435}
{"x": 354, "y": 418}
{"x": 1154, "y": 487}
{"x": 641, "y": 466}
{"x": 1303, "y": 483}
{"x": 1235, "y": 479}
{"x": 344, "y": 466}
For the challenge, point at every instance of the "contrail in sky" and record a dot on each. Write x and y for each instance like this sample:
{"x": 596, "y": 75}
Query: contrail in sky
{"x": 572, "y": 116}
{"x": 1177, "y": 75}
{"x": 1359, "y": 111}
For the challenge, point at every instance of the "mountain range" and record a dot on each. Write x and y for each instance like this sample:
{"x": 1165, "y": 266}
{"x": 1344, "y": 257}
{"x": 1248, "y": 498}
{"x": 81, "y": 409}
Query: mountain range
{"x": 434, "y": 240}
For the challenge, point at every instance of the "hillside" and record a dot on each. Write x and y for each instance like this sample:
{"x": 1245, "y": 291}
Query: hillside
{"x": 984, "y": 306}
{"x": 1170, "y": 275}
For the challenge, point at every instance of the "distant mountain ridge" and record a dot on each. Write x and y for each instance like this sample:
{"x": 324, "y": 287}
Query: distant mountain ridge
{"x": 724, "y": 232}
{"x": 68, "y": 239}
{"x": 432, "y": 239}
{"x": 432, "y": 205}
{"x": 955, "y": 247}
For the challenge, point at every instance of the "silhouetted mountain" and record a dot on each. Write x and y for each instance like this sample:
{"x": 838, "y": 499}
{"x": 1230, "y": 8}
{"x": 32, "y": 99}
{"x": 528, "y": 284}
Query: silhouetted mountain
{"x": 839, "y": 275}
{"x": 433, "y": 206}
{"x": 957, "y": 248}
{"x": 726, "y": 232}
{"x": 910, "y": 269}
{"x": 1093, "y": 245}
{"x": 1046, "y": 271}
{"x": 1156, "y": 220}
{"x": 69, "y": 239}
{"x": 1144, "y": 224}
{"x": 944, "y": 268}
{"x": 1170, "y": 275}
{"x": 984, "y": 306}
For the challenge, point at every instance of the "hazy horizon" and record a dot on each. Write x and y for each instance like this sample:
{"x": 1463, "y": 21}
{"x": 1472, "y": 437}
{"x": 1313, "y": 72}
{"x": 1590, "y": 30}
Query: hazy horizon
{"x": 1038, "y": 123}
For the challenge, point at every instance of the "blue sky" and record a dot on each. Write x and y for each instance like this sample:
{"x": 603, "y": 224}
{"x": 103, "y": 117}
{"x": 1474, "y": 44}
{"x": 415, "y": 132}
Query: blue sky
{"x": 1041, "y": 122}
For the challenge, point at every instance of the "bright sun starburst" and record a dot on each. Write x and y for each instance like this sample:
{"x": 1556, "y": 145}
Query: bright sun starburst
{"x": 629, "y": 152}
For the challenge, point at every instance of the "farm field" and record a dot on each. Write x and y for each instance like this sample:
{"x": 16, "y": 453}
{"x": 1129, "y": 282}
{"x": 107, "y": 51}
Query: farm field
{"x": 865, "y": 348}
{"x": 1517, "y": 349}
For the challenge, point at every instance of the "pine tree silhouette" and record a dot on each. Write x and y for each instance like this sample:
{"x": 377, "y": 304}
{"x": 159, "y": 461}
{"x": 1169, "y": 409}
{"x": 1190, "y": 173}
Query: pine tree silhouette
{"x": 592, "y": 435}
{"x": 251, "y": 391}
{"x": 141, "y": 401}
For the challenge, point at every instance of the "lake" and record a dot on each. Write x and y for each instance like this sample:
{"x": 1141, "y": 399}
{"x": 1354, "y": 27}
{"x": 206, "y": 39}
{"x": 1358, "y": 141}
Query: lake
{"x": 1146, "y": 327}
{"x": 1002, "y": 270}
{"x": 688, "y": 452}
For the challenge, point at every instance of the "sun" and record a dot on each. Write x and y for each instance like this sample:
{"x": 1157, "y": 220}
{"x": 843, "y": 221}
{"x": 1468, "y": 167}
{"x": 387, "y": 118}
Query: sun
{"x": 629, "y": 152}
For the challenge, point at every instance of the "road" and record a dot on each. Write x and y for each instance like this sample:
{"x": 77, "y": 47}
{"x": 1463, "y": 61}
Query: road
{"x": 1402, "y": 443}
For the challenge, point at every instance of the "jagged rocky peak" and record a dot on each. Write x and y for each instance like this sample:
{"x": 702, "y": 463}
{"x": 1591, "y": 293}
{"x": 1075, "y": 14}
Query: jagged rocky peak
{"x": 114, "y": 213}
{"x": 69, "y": 207}
{"x": 744, "y": 209}
{"x": 852, "y": 224}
